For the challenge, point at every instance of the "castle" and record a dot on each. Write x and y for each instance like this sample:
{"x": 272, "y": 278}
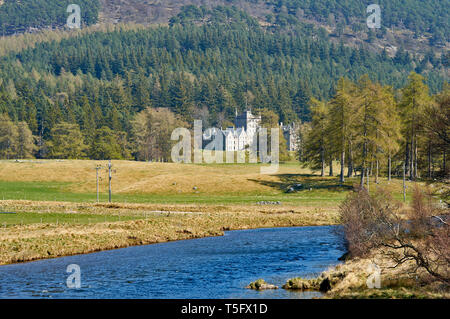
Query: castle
{"x": 246, "y": 129}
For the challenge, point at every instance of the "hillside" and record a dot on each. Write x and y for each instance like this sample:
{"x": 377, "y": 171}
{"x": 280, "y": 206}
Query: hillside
{"x": 171, "y": 183}
{"x": 89, "y": 86}
{"x": 413, "y": 25}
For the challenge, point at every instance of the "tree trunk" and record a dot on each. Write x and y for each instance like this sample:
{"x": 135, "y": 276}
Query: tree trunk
{"x": 364, "y": 148}
{"x": 322, "y": 157}
{"x": 411, "y": 161}
{"x": 444, "y": 162}
{"x": 363, "y": 171}
{"x": 416, "y": 174}
{"x": 404, "y": 182}
{"x": 407, "y": 158}
{"x": 350, "y": 161}
{"x": 342, "y": 179}
{"x": 389, "y": 167}
{"x": 376, "y": 174}
{"x": 363, "y": 167}
{"x": 331, "y": 167}
{"x": 429, "y": 160}
{"x": 368, "y": 181}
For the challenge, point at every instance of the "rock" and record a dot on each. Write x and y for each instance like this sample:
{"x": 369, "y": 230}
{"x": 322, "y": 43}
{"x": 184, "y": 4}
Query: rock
{"x": 269, "y": 203}
{"x": 325, "y": 285}
{"x": 301, "y": 284}
{"x": 294, "y": 188}
{"x": 260, "y": 284}
{"x": 304, "y": 284}
{"x": 344, "y": 257}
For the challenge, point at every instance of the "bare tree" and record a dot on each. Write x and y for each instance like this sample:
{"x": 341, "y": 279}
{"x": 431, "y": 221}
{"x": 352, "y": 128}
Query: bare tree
{"x": 422, "y": 237}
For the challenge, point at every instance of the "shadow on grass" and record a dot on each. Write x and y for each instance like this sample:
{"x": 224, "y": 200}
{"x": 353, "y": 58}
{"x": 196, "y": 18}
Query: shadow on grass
{"x": 304, "y": 182}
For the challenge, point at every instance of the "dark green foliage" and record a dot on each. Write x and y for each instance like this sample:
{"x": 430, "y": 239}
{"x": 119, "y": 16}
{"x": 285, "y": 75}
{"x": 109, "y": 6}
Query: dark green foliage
{"x": 103, "y": 79}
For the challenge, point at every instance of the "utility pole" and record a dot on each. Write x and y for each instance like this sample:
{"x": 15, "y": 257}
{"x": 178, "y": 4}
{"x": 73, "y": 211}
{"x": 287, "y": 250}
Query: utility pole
{"x": 97, "y": 168}
{"x": 110, "y": 177}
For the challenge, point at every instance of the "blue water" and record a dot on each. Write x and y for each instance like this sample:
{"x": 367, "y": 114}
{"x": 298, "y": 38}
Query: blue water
{"x": 217, "y": 267}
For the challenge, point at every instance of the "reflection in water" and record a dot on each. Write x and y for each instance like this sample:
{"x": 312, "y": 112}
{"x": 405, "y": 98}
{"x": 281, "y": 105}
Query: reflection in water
{"x": 218, "y": 267}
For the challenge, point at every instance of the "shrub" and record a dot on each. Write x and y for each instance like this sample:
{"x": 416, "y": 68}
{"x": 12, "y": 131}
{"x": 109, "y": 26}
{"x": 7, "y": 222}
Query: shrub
{"x": 373, "y": 221}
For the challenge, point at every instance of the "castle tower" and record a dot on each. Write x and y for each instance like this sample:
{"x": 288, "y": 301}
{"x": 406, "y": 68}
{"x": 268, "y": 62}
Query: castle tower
{"x": 250, "y": 123}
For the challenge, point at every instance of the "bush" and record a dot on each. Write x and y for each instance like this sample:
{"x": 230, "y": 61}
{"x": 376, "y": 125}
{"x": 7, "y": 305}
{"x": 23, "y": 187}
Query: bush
{"x": 373, "y": 221}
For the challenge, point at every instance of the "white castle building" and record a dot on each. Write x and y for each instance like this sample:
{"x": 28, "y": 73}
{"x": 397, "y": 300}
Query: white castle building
{"x": 244, "y": 133}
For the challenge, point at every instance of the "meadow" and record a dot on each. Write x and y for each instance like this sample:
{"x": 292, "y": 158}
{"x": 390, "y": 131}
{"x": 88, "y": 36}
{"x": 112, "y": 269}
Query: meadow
{"x": 168, "y": 183}
{"x": 48, "y": 208}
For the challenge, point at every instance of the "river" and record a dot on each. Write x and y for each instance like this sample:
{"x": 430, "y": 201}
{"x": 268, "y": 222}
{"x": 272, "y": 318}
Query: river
{"x": 216, "y": 267}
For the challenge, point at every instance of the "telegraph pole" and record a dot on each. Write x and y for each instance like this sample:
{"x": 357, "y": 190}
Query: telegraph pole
{"x": 110, "y": 177}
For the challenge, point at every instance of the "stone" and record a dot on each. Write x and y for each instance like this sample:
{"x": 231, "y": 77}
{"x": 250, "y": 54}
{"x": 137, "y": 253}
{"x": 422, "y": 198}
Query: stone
{"x": 260, "y": 284}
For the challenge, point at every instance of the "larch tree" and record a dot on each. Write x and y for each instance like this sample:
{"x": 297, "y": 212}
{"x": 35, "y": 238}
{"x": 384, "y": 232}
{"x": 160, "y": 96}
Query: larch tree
{"x": 341, "y": 120}
{"x": 367, "y": 100}
{"x": 25, "y": 141}
{"x": 316, "y": 150}
{"x": 415, "y": 99}
{"x": 66, "y": 142}
{"x": 8, "y": 137}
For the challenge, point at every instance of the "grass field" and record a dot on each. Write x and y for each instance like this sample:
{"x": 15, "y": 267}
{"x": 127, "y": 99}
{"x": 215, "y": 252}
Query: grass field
{"x": 165, "y": 183}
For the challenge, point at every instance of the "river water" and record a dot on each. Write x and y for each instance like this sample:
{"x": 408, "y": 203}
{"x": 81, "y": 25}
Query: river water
{"x": 216, "y": 267}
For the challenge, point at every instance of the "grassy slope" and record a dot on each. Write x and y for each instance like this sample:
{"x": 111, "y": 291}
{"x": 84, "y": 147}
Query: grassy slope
{"x": 167, "y": 183}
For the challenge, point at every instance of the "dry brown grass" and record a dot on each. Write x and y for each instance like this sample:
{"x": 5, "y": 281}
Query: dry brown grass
{"x": 321, "y": 214}
{"x": 349, "y": 280}
{"x": 396, "y": 282}
{"x": 140, "y": 177}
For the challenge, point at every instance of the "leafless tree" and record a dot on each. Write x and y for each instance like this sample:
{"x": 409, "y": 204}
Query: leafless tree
{"x": 373, "y": 221}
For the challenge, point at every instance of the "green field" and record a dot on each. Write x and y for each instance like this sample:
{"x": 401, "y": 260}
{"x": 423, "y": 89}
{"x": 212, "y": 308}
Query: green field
{"x": 50, "y": 191}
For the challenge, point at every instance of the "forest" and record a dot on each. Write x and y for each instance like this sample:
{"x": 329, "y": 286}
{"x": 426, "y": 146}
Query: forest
{"x": 415, "y": 15}
{"x": 90, "y": 90}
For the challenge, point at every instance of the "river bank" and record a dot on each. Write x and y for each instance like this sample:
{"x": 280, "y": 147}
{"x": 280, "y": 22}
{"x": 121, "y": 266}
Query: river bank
{"x": 356, "y": 279}
{"x": 204, "y": 268}
{"x": 75, "y": 228}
